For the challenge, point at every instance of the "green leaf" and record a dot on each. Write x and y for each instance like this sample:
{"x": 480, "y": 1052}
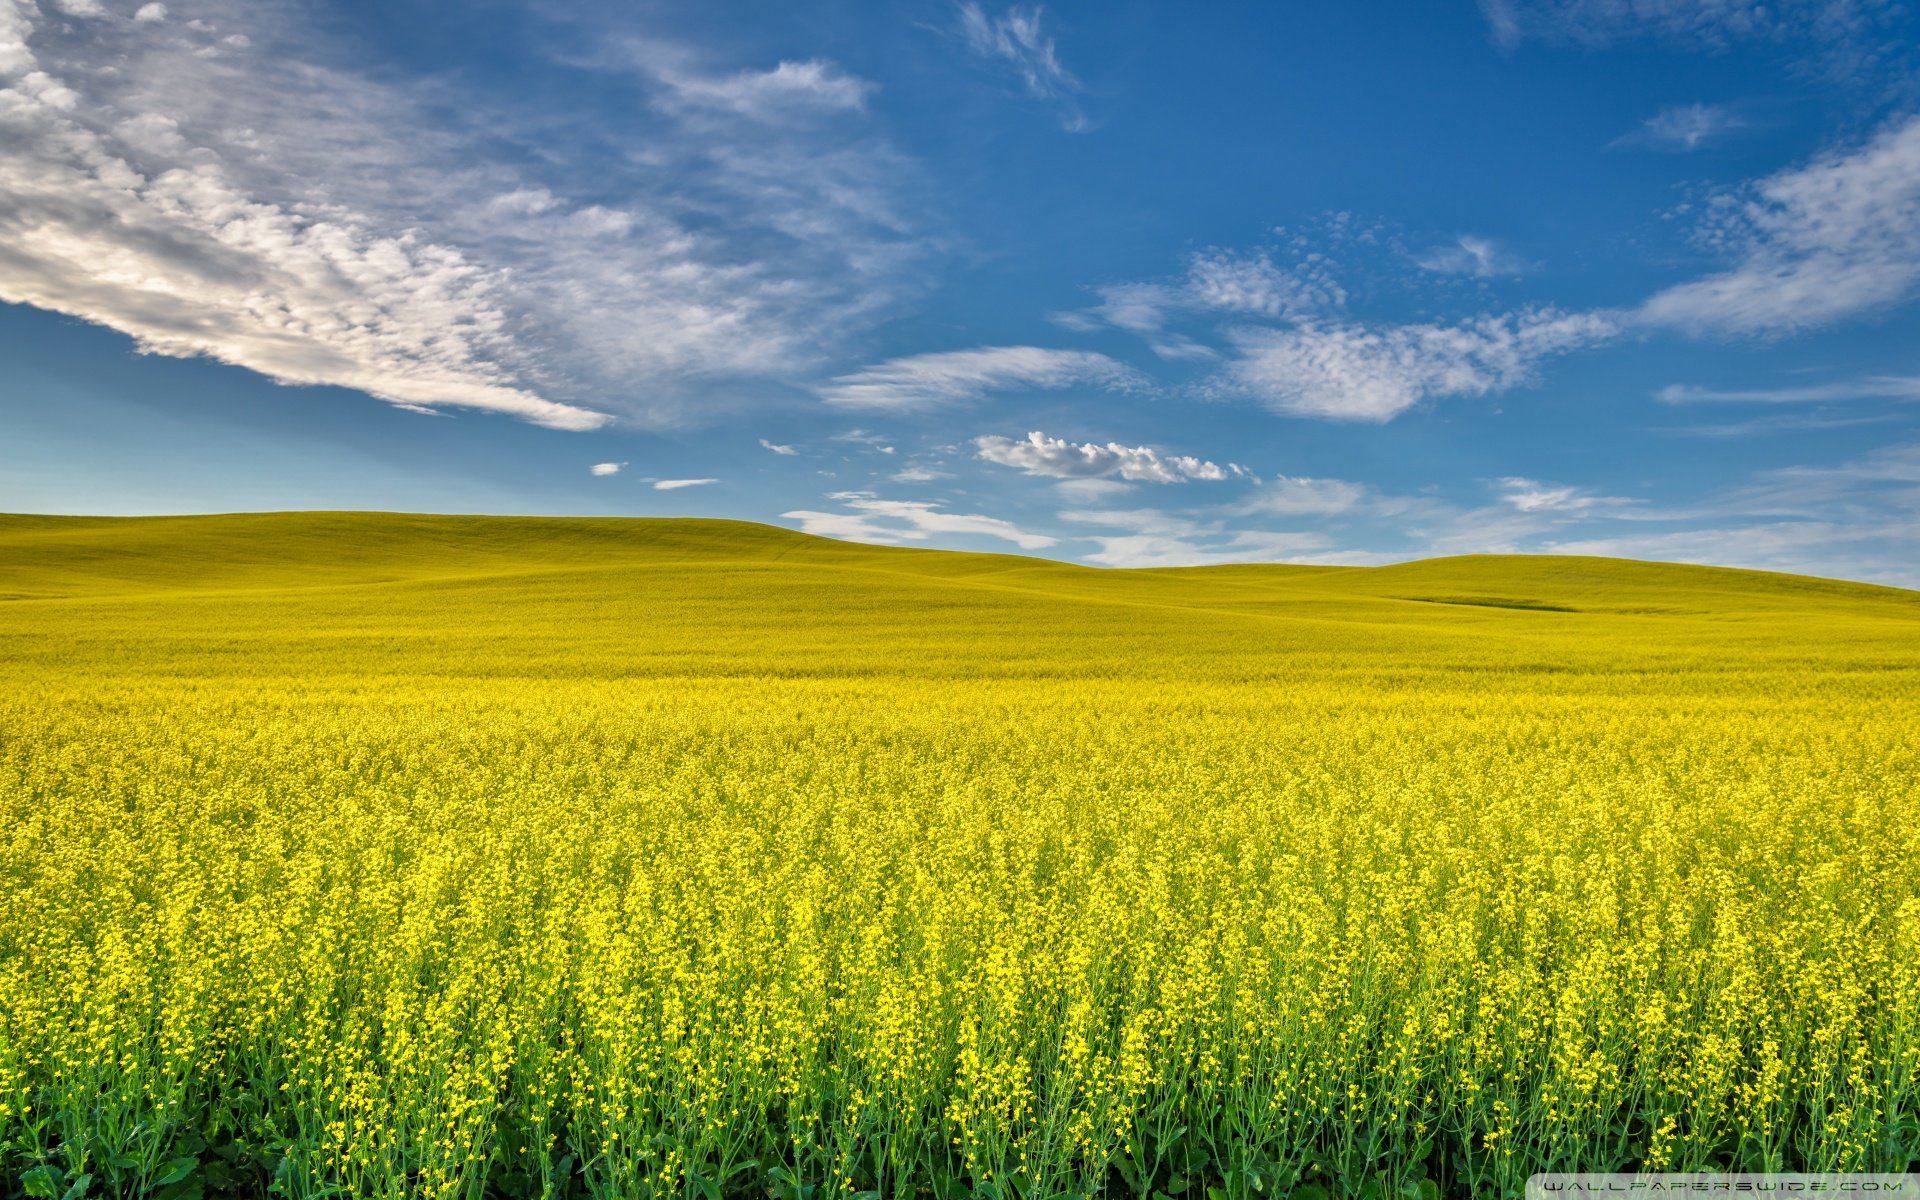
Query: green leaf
{"x": 175, "y": 1170}
{"x": 78, "y": 1188}
{"x": 1308, "y": 1191}
{"x": 43, "y": 1180}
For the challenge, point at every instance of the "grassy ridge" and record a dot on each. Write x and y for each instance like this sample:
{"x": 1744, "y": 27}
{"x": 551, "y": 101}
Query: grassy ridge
{"x": 395, "y": 855}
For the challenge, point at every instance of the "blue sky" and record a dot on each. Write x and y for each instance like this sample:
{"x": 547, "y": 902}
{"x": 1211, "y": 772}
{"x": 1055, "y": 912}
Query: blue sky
{"x": 1121, "y": 283}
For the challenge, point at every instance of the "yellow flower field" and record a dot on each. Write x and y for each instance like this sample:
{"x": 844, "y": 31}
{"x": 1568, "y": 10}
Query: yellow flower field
{"x": 397, "y": 856}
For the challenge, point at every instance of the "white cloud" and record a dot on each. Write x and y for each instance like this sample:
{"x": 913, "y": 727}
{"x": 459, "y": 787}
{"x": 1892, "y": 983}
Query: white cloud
{"x": 1813, "y": 244}
{"x": 1061, "y": 459}
{"x": 1885, "y": 480}
{"x": 1482, "y": 258}
{"x": 1017, "y": 40}
{"x": 930, "y": 380}
{"x": 1712, "y": 24}
{"x": 119, "y": 220}
{"x": 606, "y": 468}
{"x": 1531, "y": 496}
{"x": 1253, "y": 285}
{"x": 851, "y": 527}
{"x": 1877, "y": 387}
{"x": 1875, "y": 550}
{"x": 1684, "y": 127}
{"x": 917, "y": 474}
{"x": 772, "y": 95}
{"x": 863, "y": 437}
{"x": 669, "y": 485}
{"x": 1154, "y": 550}
{"x": 777, "y": 448}
{"x": 1157, "y": 539}
{"x": 151, "y": 13}
{"x": 1143, "y": 521}
{"x": 229, "y": 189}
{"x": 1083, "y": 490}
{"x": 1353, "y": 373}
{"x": 921, "y": 519}
{"x": 1291, "y": 496}
{"x": 1772, "y": 424}
{"x": 1217, "y": 282}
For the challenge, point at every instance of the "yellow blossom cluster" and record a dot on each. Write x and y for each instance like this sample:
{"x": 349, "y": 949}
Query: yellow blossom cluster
{"x": 384, "y": 856}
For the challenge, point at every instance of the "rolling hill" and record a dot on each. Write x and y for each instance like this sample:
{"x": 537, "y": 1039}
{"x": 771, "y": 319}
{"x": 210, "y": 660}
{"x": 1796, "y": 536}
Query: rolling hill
{"x": 349, "y": 854}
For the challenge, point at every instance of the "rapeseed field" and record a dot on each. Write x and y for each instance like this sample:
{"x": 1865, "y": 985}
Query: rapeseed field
{"x": 360, "y": 855}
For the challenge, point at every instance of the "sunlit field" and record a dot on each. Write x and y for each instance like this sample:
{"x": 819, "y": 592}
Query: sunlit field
{"x": 354, "y": 855}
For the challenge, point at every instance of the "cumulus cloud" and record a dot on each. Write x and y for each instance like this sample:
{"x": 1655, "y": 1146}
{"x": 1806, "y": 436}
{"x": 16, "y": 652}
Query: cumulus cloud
{"x": 777, "y": 448}
{"x": 1684, "y": 127}
{"x": 1812, "y": 244}
{"x": 925, "y": 381}
{"x": 1016, "y": 40}
{"x": 229, "y": 189}
{"x": 915, "y": 520}
{"x": 1351, "y": 372}
{"x": 607, "y": 468}
{"x": 1039, "y": 454}
{"x": 670, "y": 485}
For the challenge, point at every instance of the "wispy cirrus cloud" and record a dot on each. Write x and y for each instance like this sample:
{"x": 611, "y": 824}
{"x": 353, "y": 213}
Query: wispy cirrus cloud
{"x": 1038, "y": 454}
{"x": 924, "y": 381}
{"x": 233, "y": 188}
{"x": 1151, "y": 538}
{"x": 1017, "y": 40}
{"x": 1479, "y": 257}
{"x": 1684, "y": 127}
{"x": 674, "y": 485}
{"x": 1811, "y": 245}
{"x": 889, "y": 522}
{"x": 789, "y": 89}
{"x": 1532, "y": 496}
{"x": 1298, "y": 496}
{"x": 1709, "y": 24}
{"x": 1218, "y": 284}
{"x": 1351, "y": 372}
{"x": 1874, "y": 387}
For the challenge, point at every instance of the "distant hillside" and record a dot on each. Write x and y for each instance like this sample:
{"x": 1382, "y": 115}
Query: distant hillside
{"x": 644, "y": 594}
